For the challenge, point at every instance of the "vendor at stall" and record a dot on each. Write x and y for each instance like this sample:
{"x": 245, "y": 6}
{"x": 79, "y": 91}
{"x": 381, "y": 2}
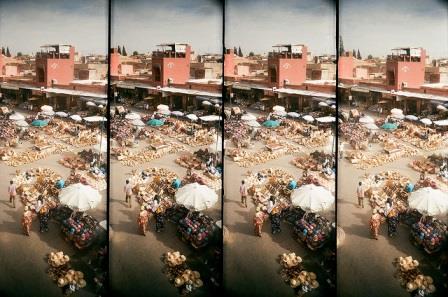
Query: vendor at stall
{"x": 158, "y": 213}
{"x": 392, "y": 219}
{"x": 274, "y": 214}
{"x": 27, "y": 220}
{"x": 375, "y": 222}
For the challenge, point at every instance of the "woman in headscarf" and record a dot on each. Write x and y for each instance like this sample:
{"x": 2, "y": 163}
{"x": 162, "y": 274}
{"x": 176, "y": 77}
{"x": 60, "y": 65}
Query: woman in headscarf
{"x": 375, "y": 222}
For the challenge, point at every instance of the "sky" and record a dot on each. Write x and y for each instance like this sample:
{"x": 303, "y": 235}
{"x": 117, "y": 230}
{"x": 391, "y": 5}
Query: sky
{"x": 375, "y": 27}
{"x": 25, "y": 25}
{"x": 257, "y": 25}
{"x": 140, "y": 25}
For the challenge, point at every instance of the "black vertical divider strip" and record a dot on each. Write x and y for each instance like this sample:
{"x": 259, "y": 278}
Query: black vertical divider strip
{"x": 337, "y": 136}
{"x": 109, "y": 95}
{"x": 223, "y": 97}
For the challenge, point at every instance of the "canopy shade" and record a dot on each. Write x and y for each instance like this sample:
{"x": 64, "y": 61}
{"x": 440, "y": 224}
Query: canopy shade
{"x": 132, "y": 116}
{"x": 17, "y": 117}
{"x": 155, "y": 123}
{"x": 429, "y": 201}
{"x": 271, "y": 124}
{"x": 196, "y": 197}
{"x": 312, "y": 198}
{"x": 80, "y": 197}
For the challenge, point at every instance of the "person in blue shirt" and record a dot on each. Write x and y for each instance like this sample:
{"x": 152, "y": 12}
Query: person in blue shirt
{"x": 292, "y": 185}
{"x": 409, "y": 187}
{"x": 60, "y": 183}
{"x": 176, "y": 183}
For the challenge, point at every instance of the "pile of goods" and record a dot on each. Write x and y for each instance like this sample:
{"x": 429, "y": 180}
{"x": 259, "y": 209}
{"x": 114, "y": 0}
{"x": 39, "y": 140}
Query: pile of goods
{"x": 189, "y": 160}
{"x": 267, "y": 182}
{"x": 411, "y": 277}
{"x": 317, "y": 138}
{"x": 160, "y": 184}
{"x": 31, "y": 156}
{"x": 356, "y": 134}
{"x": 80, "y": 229}
{"x": 129, "y": 158}
{"x": 314, "y": 161}
{"x": 35, "y": 182}
{"x": 197, "y": 229}
{"x": 246, "y": 158}
{"x": 313, "y": 230}
{"x": 293, "y": 273}
{"x": 6, "y": 153}
{"x": 415, "y": 135}
{"x": 389, "y": 184}
{"x": 179, "y": 274}
{"x": 424, "y": 165}
{"x": 60, "y": 271}
{"x": 81, "y": 161}
{"x": 121, "y": 131}
{"x": 8, "y": 132}
{"x": 431, "y": 234}
{"x": 84, "y": 138}
{"x": 365, "y": 160}
{"x": 237, "y": 131}
{"x": 200, "y": 137}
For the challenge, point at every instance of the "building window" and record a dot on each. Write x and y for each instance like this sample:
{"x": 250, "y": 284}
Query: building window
{"x": 273, "y": 74}
{"x": 40, "y": 74}
{"x": 157, "y": 73}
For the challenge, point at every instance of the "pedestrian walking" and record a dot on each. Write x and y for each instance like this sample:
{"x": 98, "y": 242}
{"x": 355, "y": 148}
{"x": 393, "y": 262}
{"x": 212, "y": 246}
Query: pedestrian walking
{"x": 128, "y": 193}
{"x": 12, "y": 190}
{"x": 360, "y": 191}
{"x": 375, "y": 222}
{"x": 243, "y": 193}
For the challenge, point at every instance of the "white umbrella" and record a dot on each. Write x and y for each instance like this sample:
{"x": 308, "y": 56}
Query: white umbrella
{"x": 164, "y": 112}
{"x": 163, "y": 107}
{"x": 326, "y": 119}
{"x": 253, "y": 124}
{"x": 46, "y": 108}
{"x": 177, "y": 113}
{"x": 48, "y": 113}
{"x": 76, "y": 118}
{"x": 132, "y": 116}
{"x": 192, "y": 117}
{"x": 280, "y": 113}
{"x": 441, "y": 107}
{"x": 411, "y": 117}
{"x": 80, "y": 197}
{"x": 333, "y": 107}
{"x": 197, "y": 197}
{"x": 95, "y": 119}
{"x": 429, "y": 201}
{"x": 426, "y": 121}
{"x": 396, "y": 111}
{"x": 308, "y": 118}
{"x": 206, "y": 102}
{"x": 441, "y": 123}
{"x": 366, "y": 120}
{"x": 293, "y": 114}
{"x": 248, "y": 117}
{"x": 371, "y": 126}
{"x": 17, "y": 117}
{"x": 278, "y": 108}
{"x": 217, "y": 105}
{"x": 21, "y": 123}
{"x": 100, "y": 106}
{"x": 61, "y": 114}
{"x": 90, "y": 103}
{"x": 312, "y": 198}
{"x": 138, "y": 123}
{"x": 101, "y": 147}
{"x": 210, "y": 118}
{"x": 323, "y": 104}
{"x": 398, "y": 116}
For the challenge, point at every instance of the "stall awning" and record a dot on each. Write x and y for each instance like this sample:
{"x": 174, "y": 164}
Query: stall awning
{"x": 33, "y": 98}
{"x": 360, "y": 89}
{"x": 149, "y": 98}
{"x": 241, "y": 87}
{"x": 266, "y": 99}
{"x": 9, "y": 87}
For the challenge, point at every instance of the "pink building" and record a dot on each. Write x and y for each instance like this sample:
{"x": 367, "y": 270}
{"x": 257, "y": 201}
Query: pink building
{"x": 346, "y": 66}
{"x": 171, "y": 64}
{"x": 287, "y": 65}
{"x": 55, "y": 65}
{"x": 114, "y": 62}
{"x": 405, "y": 68}
{"x": 229, "y": 63}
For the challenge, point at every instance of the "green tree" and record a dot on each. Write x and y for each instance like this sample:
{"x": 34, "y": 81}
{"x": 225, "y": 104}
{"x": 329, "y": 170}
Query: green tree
{"x": 359, "y": 55}
{"x": 240, "y": 52}
{"x": 370, "y": 57}
{"x": 135, "y": 53}
{"x": 124, "y": 51}
{"x": 119, "y": 50}
{"x": 3, "y": 51}
{"x": 19, "y": 54}
{"x": 251, "y": 54}
{"x": 354, "y": 53}
{"x": 8, "y": 54}
{"x": 235, "y": 50}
